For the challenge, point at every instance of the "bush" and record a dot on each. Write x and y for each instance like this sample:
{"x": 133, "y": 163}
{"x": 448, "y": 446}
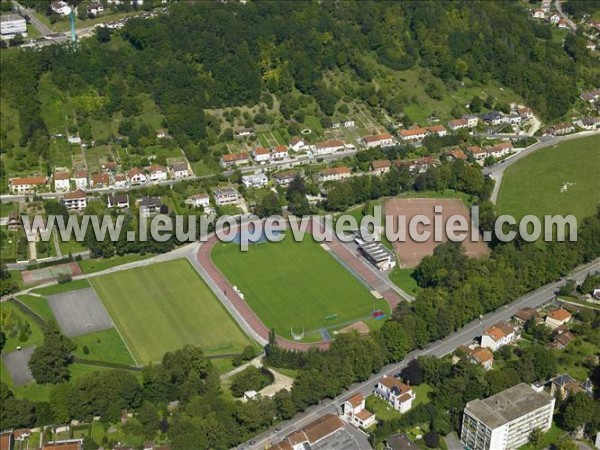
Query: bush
{"x": 64, "y": 278}
{"x": 432, "y": 439}
{"x": 250, "y": 379}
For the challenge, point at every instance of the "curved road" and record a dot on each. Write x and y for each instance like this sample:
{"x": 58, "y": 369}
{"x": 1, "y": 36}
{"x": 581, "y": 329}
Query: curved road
{"x": 438, "y": 349}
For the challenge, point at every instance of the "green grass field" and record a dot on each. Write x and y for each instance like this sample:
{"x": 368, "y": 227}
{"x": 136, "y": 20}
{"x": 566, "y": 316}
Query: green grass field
{"x": 99, "y": 264}
{"x": 103, "y": 345}
{"x": 290, "y": 284}
{"x": 162, "y": 307}
{"x": 533, "y": 185}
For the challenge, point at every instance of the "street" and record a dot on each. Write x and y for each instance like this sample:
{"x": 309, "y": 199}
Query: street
{"x": 439, "y": 349}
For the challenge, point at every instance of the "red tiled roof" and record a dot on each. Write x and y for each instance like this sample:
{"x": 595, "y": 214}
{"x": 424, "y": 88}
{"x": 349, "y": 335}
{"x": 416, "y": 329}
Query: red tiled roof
{"x": 364, "y": 415}
{"x": 322, "y": 427}
{"x": 377, "y": 138}
{"x": 75, "y": 194}
{"x": 100, "y": 178}
{"x": 381, "y": 164}
{"x": 356, "y": 400}
{"x": 436, "y": 128}
{"x": 457, "y": 154}
{"x": 336, "y": 171}
{"x": 413, "y": 132}
{"x": 27, "y": 180}
{"x": 559, "y": 314}
{"x": 458, "y": 122}
{"x": 482, "y": 355}
{"x": 261, "y": 151}
{"x": 280, "y": 149}
{"x": 81, "y": 174}
{"x": 134, "y": 171}
{"x": 62, "y": 176}
{"x": 391, "y": 383}
{"x": 155, "y": 168}
{"x": 232, "y": 157}
{"x": 329, "y": 144}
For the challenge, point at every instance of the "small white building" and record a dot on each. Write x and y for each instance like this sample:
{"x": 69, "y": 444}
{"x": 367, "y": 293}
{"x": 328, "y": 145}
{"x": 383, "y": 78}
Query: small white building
{"x": 334, "y": 174}
{"x": 279, "y": 153}
{"x": 198, "y": 200}
{"x": 27, "y": 185}
{"x": 255, "y": 181}
{"x": 120, "y": 181}
{"x": 81, "y": 179}
{"x": 62, "y": 181}
{"x": 60, "y": 7}
{"x": 472, "y": 120}
{"x": 119, "y": 201}
{"x": 439, "y": 130}
{"x": 328, "y": 147}
{"x": 157, "y": 173}
{"x": 379, "y": 140}
{"x": 499, "y": 335}
{"x": 234, "y": 159}
{"x": 75, "y": 201}
{"x": 380, "y": 167}
{"x": 298, "y": 144}
{"x": 500, "y": 150}
{"x": 557, "y": 317}
{"x": 458, "y": 124}
{"x": 75, "y": 140}
{"x": 136, "y": 177}
{"x": 226, "y": 196}
{"x": 150, "y": 206}
{"x": 354, "y": 412}
{"x": 399, "y": 395}
{"x": 285, "y": 178}
{"x": 181, "y": 170}
{"x": 261, "y": 155}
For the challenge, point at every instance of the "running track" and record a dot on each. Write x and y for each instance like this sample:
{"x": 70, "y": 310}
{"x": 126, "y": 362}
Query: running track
{"x": 253, "y": 321}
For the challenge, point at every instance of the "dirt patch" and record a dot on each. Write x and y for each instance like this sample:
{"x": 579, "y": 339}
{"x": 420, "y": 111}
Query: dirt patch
{"x": 48, "y": 274}
{"x": 410, "y": 253}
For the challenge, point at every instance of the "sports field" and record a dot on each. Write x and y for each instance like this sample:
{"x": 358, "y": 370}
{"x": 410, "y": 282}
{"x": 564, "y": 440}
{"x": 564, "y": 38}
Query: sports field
{"x": 554, "y": 180}
{"x": 165, "y": 306}
{"x": 296, "y": 284}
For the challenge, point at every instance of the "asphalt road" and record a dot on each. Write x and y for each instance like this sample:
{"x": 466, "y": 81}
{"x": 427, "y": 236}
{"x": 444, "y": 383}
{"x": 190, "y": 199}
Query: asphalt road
{"x": 439, "y": 349}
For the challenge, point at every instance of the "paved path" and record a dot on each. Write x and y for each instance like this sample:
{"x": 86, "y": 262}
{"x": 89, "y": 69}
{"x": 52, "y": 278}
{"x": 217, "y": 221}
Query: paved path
{"x": 566, "y": 18}
{"x": 438, "y": 349}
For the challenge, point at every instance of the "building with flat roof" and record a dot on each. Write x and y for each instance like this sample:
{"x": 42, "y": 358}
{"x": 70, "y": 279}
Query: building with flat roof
{"x": 11, "y": 25}
{"x": 505, "y": 420}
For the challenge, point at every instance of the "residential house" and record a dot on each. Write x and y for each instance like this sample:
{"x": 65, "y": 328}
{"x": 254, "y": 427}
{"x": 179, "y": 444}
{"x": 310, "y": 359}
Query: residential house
{"x": 457, "y": 153}
{"x": 198, "y": 200}
{"x": 380, "y": 167}
{"x": 21, "y": 434}
{"x": 554, "y": 19}
{"x": 27, "y": 185}
{"x": 379, "y": 140}
{"x": 440, "y": 130}
{"x": 561, "y": 339}
{"x": 257, "y": 180}
{"x": 95, "y": 8}
{"x": 109, "y": 166}
{"x": 181, "y": 170}
{"x": 494, "y": 118}
{"x": 334, "y": 174}
{"x": 399, "y": 395}
{"x": 261, "y": 155}
{"x": 539, "y": 14}
{"x": 152, "y": 205}
{"x": 157, "y": 173}
{"x": 75, "y": 201}
{"x": 499, "y": 335}
{"x": 313, "y": 435}
{"x": 162, "y": 134}
{"x": 244, "y": 132}
{"x": 119, "y": 201}
{"x": 60, "y": 7}
{"x": 590, "y": 96}
{"x": 480, "y": 355}
{"x": 524, "y": 112}
{"x": 411, "y": 165}
{"x": 13, "y": 223}
{"x": 234, "y": 159}
{"x": 136, "y": 176}
{"x": 564, "y": 385}
{"x": 81, "y": 179}
{"x": 472, "y": 120}
{"x": 349, "y": 123}
{"x": 399, "y": 442}
{"x": 424, "y": 163}
{"x": 562, "y": 23}
{"x": 100, "y": 180}
{"x": 279, "y": 152}
{"x": 75, "y": 140}
{"x": 62, "y": 181}
{"x": 590, "y": 123}
{"x": 297, "y": 144}
{"x": 458, "y": 124}
{"x": 328, "y": 147}
{"x": 525, "y": 314}
{"x": 500, "y": 150}
{"x": 514, "y": 119}
{"x": 285, "y": 178}
{"x": 478, "y": 153}
{"x": 226, "y": 196}
{"x": 355, "y": 413}
{"x": 120, "y": 181}
{"x": 413, "y": 134}
{"x": 557, "y": 317}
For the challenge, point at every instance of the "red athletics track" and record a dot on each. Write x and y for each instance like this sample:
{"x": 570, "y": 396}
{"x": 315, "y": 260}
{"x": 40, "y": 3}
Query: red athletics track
{"x": 250, "y": 316}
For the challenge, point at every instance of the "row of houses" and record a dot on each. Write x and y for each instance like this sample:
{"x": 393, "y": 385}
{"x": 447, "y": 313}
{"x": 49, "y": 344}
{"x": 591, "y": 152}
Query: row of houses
{"x": 496, "y": 151}
{"x": 62, "y": 180}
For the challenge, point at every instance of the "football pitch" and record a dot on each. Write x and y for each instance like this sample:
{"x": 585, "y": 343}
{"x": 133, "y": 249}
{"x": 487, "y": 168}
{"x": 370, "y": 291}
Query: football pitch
{"x": 555, "y": 180}
{"x": 162, "y": 307}
{"x": 296, "y": 285}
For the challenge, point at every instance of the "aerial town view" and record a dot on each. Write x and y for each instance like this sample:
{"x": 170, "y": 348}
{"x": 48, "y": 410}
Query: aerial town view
{"x": 300, "y": 224}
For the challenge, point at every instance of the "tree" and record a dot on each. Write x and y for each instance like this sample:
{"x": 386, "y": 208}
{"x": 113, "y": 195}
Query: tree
{"x": 432, "y": 439}
{"x": 149, "y": 418}
{"x": 566, "y": 444}
{"x": 250, "y": 379}
{"x": 269, "y": 205}
{"x": 50, "y": 361}
{"x": 580, "y": 409}
{"x": 103, "y": 34}
{"x": 413, "y": 373}
{"x": 535, "y": 437}
{"x": 476, "y": 104}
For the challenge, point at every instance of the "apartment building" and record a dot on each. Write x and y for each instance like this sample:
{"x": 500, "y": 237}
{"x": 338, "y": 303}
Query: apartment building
{"x": 505, "y": 421}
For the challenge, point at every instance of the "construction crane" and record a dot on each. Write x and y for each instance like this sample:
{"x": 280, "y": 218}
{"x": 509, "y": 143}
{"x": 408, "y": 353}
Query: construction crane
{"x": 72, "y": 20}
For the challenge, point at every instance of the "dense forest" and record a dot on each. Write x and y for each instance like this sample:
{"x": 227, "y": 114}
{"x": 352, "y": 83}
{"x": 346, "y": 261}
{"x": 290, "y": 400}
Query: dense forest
{"x": 210, "y": 55}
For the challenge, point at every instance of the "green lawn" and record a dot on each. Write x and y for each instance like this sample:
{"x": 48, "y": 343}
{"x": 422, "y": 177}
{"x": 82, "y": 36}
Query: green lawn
{"x": 403, "y": 278}
{"x": 533, "y": 185}
{"x": 552, "y": 436}
{"x": 162, "y": 307}
{"x": 98, "y": 264}
{"x": 381, "y": 409}
{"x": 295, "y": 284}
{"x": 11, "y": 315}
{"x": 38, "y": 305}
{"x": 103, "y": 345}
{"x": 60, "y": 288}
